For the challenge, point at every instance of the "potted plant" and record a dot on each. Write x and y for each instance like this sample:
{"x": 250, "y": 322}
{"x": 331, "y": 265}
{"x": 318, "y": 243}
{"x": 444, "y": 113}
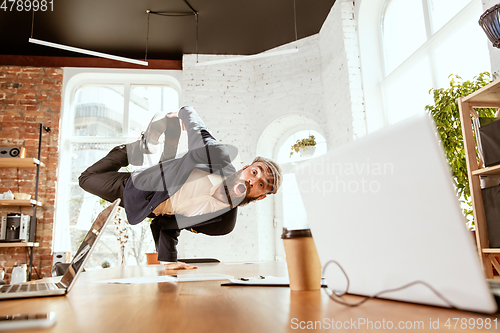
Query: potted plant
{"x": 447, "y": 118}
{"x": 304, "y": 147}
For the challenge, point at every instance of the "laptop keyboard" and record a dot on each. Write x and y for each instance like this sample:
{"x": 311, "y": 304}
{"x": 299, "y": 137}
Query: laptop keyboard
{"x": 21, "y": 288}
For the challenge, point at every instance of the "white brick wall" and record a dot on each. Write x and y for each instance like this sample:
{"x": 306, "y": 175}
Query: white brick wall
{"x": 239, "y": 100}
{"x": 343, "y": 93}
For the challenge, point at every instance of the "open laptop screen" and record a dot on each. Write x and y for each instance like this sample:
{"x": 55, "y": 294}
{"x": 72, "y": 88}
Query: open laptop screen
{"x": 89, "y": 243}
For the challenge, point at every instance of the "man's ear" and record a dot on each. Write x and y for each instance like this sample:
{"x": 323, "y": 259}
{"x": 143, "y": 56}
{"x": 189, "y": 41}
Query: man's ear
{"x": 261, "y": 197}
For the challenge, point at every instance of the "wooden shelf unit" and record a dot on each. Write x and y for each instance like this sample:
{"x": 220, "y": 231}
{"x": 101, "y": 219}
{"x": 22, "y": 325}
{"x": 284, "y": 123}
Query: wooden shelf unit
{"x": 19, "y": 244}
{"x": 20, "y": 203}
{"x": 17, "y": 162}
{"x": 486, "y": 97}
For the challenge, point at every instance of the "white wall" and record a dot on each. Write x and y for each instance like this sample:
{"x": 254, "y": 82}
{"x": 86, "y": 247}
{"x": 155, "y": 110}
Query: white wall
{"x": 239, "y": 100}
{"x": 343, "y": 93}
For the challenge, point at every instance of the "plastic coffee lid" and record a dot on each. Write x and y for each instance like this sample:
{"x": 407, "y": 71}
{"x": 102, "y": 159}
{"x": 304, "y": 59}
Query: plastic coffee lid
{"x": 287, "y": 234}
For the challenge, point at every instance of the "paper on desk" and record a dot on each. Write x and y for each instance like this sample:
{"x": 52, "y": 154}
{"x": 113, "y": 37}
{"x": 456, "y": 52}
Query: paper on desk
{"x": 270, "y": 281}
{"x": 168, "y": 278}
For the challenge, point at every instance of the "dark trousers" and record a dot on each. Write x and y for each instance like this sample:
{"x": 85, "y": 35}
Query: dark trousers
{"x": 103, "y": 178}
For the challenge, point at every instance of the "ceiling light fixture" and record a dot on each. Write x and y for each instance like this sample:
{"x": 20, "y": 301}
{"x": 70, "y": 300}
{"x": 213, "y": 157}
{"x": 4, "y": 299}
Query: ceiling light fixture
{"x": 254, "y": 56}
{"x": 88, "y": 52}
{"x": 79, "y": 50}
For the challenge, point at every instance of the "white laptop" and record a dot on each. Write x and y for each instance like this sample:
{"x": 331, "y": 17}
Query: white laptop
{"x": 384, "y": 207}
{"x": 40, "y": 289}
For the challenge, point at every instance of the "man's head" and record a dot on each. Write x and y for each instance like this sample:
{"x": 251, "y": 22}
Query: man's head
{"x": 254, "y": 182}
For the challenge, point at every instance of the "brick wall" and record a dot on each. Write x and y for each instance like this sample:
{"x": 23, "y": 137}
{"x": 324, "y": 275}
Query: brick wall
{"x": 30, "y": 96}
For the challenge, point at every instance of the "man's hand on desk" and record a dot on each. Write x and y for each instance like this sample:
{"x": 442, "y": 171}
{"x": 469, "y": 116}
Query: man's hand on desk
{"x": 178, "y": 266}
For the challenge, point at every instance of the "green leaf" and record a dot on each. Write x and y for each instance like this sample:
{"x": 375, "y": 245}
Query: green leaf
{"x": 446, "y": 115}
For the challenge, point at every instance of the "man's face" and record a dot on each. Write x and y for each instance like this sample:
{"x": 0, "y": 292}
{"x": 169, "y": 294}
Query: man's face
{"x": 259, "y": 178}
{"x": 248, "y": 184}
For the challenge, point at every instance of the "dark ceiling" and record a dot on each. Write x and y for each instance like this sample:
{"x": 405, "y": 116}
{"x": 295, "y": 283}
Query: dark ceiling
{"x": 119, "y": 27}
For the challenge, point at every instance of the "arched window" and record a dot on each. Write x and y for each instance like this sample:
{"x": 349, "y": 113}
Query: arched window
{"x": 410, "y": 46}
{"x": 103, "y": 110}
{"x": 294, "y": 215}
{"x": 290, "y": 210}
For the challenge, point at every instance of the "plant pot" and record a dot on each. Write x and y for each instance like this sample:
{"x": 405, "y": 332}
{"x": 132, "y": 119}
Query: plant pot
{"x": 307, "y": 151}
{"x": 152, "y": 258}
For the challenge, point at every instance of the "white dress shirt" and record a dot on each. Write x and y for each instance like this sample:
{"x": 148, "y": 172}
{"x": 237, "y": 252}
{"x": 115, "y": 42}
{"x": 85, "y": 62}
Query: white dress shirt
{"x": 195, "y": 197}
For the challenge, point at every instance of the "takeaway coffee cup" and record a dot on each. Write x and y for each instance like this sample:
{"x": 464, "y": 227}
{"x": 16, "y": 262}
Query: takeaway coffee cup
{"x": 304, "y": 268}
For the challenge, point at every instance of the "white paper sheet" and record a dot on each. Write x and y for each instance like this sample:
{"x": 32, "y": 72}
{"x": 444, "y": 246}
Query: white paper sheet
{"x": 169, "y": 278}
{"x": 267, "y": 281}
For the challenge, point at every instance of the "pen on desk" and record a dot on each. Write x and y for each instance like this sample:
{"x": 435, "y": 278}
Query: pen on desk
{"x": 256, "y": 277}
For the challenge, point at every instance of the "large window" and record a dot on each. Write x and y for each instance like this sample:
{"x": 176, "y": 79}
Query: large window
{"x": 98, "y": 116}
{"x": 410, "y": 46}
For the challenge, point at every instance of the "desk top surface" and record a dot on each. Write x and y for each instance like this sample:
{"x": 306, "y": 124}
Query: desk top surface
{"x": 207, "y": 307}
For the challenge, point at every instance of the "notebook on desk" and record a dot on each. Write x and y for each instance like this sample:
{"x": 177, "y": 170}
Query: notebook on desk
{"x": 67, "y": 281}
{"x": 384, "y": 207}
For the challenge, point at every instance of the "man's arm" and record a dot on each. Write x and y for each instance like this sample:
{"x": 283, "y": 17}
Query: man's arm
{"x": 166, "y": 242}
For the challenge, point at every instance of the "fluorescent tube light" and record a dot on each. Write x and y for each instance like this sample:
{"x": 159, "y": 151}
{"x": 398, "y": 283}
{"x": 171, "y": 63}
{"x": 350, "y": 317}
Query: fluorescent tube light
{"x": 248, "y": 57}
{"x": 92, "y": 53}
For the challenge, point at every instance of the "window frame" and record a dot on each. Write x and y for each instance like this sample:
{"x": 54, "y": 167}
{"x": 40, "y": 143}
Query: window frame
{"x": 74, "y": 79}
{"x": 374, "y": 74}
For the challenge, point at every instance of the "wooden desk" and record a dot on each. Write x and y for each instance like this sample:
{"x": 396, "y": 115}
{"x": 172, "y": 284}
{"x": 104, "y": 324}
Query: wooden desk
{"x": 207, "y": 307}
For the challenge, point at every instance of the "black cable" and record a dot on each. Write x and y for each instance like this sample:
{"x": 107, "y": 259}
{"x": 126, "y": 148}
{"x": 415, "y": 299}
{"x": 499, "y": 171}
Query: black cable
{"x": 331, "y": 293}
{"x": 295, "y": 19}
{"x": 192, "y": 9}
{"x": 193, "y": 12}
{"x": 196, "y": 16}
{"x": 147, "y": 37}
{"x": 32, "y": 21}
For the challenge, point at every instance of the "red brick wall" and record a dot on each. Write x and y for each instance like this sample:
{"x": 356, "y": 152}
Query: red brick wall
{"x": 30, "y": 96}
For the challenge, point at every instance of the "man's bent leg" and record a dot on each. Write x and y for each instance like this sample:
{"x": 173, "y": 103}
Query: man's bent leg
{"x": 103, "y": 178}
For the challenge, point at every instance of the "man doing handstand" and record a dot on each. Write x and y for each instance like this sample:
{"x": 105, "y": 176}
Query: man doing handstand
{"x": 199, "y": 191}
